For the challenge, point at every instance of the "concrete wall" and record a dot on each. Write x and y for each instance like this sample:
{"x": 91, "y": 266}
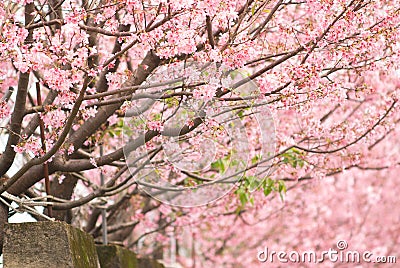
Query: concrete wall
{"x": 57, "y": 244}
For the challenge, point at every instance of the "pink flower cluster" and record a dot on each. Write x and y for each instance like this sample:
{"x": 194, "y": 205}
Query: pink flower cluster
{"x": 4, "y": 110}
{"x": 204, "y": 92}
{"x": 155, "y": 125}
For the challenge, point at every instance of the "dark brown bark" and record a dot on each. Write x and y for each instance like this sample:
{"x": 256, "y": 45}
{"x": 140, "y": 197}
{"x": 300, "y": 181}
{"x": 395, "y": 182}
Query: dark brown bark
{"x": 7, "y": 158}
{"x": 34, "y": 122}
{"x": 101, "y": 85}
{"x": 90, "y": 126}
{"x": 35, "y": 173}
{"x": 3, "y": 221}
{"x": 63, "y": 190}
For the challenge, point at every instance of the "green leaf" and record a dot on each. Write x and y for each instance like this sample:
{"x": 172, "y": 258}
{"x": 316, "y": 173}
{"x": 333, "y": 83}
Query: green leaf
{"x": 256, "y": 158}
{"x": 253, "y": 183}
{"x": 281, "y": 189}
{"x": 219, "y": 164}
{"x": 293, "y": 157}
{"x": 282, "y": 197}
{"x": 267, "y": 191}
{"x": 240, "y": 114}
{"x": 251, "y": 200}
{"x": 243, "y": 197}
{"x": 253, "y": 9}
{"x": 282, "y": 186}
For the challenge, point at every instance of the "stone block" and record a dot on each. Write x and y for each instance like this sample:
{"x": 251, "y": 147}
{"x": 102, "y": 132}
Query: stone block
{"x": 46, "y": 245}
{"x": 113, "y": 256}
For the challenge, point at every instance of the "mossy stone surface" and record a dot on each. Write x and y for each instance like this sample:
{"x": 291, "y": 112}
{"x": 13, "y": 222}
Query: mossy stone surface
{"x": 149, "y": 263}
{"x": 113, "y": 256}
{"x": 48, "y": 244}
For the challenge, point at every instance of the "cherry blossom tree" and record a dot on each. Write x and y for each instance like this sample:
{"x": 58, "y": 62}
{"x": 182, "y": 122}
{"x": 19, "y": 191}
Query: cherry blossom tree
{"x": 217, "y": 127}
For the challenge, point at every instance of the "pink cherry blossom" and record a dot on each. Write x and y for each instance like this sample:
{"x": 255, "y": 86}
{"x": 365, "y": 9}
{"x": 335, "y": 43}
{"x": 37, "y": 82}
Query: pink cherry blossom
{"x": 302, "y": 135}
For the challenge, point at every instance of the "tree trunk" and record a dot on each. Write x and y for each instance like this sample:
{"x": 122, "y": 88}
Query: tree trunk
{"x": 3, "y": 221}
